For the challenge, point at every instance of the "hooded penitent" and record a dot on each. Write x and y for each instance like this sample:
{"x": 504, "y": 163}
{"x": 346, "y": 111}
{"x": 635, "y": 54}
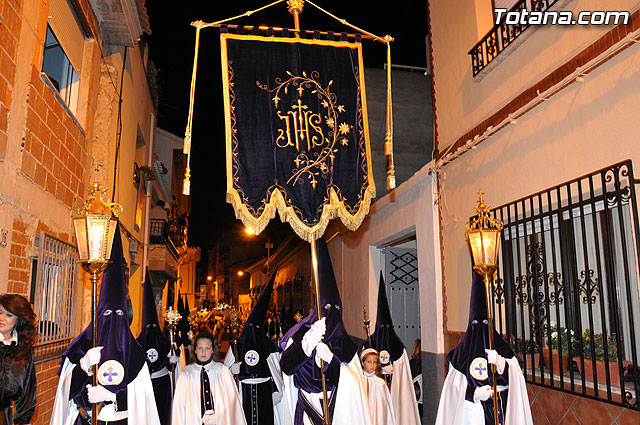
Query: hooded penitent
{"x": 336, "y": 336}
{"x": 120, "y": 347}
{"x": 392, "y": 352}
{"x": 122, "y": 368}
{"x": 157, "y": 347}
{"x": 151, "y": 338}
{"x": 468, "y": 370}
{"x": 183, "y": 327}
{"x": 384, "y": 338}
{"x": 259, "y": 373}
{"x": 253, "y": 338}
{"x": 472, "y": 346}
{"x": 347, "y": 402}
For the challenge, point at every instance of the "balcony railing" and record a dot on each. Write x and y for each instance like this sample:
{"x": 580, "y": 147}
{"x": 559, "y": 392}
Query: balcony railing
{"x": 566, "y": 295}
{"x": 159, "y": 234}
{"x": 503, "y": 34}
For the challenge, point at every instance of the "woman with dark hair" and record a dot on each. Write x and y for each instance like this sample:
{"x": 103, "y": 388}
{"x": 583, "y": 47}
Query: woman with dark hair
{"x": 206, "y": 392}
{"x": 17, "y": 372}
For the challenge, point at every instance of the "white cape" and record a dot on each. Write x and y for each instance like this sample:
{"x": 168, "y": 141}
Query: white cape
{"x": 454, "y": 409}
{"x": 352, "y": 406}
{"x": 186, "y": 400}
{"x": 380, "y": 403}
{"x": 403, "y": 395}
{"x": 140, "y": 401}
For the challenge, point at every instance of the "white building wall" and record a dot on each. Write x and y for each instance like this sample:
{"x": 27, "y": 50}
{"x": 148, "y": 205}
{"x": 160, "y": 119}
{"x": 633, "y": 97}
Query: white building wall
{"x": 585, "y": 127}
{"x": 462, "y": 101}
{"x": 410, "y": 209}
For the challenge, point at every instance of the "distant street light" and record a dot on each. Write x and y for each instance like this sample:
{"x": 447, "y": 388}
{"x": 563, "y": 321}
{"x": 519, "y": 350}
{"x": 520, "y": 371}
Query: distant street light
{"x": 268, "y": 245}
{"x": 240, "y": 273}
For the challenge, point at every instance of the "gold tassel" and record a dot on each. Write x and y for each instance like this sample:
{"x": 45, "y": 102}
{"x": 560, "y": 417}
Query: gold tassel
{"x": 187, "y": 142}
{"x": 388, "y": 140}
{"x": 186, "y": 184}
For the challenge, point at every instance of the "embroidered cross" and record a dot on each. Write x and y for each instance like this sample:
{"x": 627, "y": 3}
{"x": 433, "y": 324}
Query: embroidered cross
{"x": 110, "y": 374}
{"x": 481, "y": 369}
{"x": 152, "y": 356}
{"x": 251, "y": 358}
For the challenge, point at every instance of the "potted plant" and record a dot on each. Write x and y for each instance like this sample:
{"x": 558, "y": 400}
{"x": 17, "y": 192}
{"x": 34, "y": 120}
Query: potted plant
{"x": 598, "y": 344}
{"x": 558, "y": 355}
{"x": 525, "y": 349}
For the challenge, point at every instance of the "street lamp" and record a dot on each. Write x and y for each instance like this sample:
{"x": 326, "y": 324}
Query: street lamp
{"x": 483, "y": 235}
{"x": 95, "y": 223}
{"x": 269, "y": 245}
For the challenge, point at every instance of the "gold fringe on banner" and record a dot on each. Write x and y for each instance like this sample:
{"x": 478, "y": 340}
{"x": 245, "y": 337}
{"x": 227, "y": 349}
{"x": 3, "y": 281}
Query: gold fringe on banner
{"x": 331, "y": 210}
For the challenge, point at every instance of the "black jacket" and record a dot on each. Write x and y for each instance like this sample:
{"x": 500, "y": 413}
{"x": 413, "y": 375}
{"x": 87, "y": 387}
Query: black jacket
{"x": 17, "y": 383}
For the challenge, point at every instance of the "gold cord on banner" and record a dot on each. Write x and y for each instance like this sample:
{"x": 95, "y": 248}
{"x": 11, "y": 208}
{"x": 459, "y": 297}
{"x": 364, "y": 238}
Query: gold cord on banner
{"x": 388, "y": 139}
{"x": 186, "y": 149}
{"x": 192, "y": 93}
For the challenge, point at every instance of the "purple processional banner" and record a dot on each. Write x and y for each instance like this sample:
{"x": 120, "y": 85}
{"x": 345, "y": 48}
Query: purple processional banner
{"x": 296, "y": 131}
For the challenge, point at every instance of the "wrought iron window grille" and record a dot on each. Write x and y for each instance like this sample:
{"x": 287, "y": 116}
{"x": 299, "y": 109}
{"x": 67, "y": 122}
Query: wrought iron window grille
{"x": 54, "y": 295}
{"x": 566, "y": 291}
{"x": 502, "y": 35}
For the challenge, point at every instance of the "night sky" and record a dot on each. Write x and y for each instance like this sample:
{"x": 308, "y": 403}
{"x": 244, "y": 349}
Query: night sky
{"x": 171, "y": 48}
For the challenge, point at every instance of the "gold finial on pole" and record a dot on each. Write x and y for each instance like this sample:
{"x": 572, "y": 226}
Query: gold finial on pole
{"x": 295, "y": 8}
{"x": 171, "y": 318}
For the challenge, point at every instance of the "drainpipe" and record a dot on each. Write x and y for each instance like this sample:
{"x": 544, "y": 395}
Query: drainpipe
{"x": 147, "y": 200}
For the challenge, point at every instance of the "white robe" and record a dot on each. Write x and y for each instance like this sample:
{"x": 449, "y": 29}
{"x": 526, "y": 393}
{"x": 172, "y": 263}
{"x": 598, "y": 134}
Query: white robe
{"x": 352, "y": 406}
{"x": 379, "y": 400}
{"x": 454, "y": 409}
{"x": 273, "y": 361}
{"x": 226, "y": 402}
{"x": 403, "y": 395}
{"x": 141, "y": 403}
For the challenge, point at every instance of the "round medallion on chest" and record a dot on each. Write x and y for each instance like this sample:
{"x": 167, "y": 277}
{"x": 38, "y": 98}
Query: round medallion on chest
{"x": 152, "y": 355}
{"x": 251, "y": 358}
{"x": 110, "y": 372}
{"x": 478, "y": 369}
